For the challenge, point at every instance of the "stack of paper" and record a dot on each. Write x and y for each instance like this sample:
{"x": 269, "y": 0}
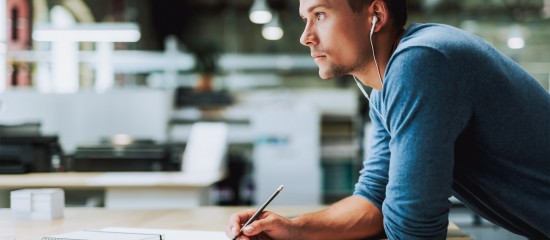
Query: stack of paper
{"x": 37, "y": 204}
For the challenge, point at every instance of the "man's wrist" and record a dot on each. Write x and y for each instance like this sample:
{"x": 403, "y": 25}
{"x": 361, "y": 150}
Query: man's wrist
{"x": 297, "y": 228}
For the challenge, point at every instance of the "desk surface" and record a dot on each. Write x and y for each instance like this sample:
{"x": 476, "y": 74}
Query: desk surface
{"x": 202, "y": 218}
{"x": 131, "y": 190}
{"x": 108, "y": 179}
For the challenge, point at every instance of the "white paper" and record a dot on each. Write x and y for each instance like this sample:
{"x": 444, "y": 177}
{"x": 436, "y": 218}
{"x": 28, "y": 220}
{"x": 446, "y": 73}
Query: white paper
{"x": 101, "y": 235}
{"x": 171, "y": 234}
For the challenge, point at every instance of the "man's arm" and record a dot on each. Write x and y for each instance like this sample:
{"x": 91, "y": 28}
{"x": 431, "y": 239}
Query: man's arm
{"x": 350, "y": 218}
{"x": 354, "y": 217}
{"x": 427, "y": 106}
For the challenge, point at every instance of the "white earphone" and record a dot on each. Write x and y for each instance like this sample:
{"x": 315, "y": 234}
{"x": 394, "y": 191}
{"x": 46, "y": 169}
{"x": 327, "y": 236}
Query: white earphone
{"x": 374, "y": 21}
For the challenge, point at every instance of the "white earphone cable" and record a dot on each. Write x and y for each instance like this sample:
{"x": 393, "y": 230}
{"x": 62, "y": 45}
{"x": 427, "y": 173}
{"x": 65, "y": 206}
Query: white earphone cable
{"x": 375, "y": 19}
{"x": 378, "y": 69}
{"x": 367, "y": 96}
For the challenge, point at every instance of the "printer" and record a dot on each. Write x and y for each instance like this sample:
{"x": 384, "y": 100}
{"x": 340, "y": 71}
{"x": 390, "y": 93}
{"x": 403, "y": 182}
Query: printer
{"x": 23, "y": 149}
{"x": 132, "y": 155}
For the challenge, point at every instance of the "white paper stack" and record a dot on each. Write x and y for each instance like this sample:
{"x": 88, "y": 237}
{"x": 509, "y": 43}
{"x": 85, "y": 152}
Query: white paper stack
{"x": 37, "y": 204}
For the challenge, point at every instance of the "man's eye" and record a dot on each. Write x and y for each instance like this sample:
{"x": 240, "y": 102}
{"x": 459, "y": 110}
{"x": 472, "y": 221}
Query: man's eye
{"x": 320, "y": 16}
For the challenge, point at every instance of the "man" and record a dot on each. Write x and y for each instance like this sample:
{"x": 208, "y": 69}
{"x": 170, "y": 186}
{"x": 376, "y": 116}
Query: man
{"x": 450, "y": 115}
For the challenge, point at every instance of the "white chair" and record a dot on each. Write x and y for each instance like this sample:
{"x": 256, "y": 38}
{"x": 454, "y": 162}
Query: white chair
{"x": 205, "y": 149}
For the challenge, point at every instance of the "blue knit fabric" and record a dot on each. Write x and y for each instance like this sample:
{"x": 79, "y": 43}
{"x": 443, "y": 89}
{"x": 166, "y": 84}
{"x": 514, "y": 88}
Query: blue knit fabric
{"x": 458, "y": 118}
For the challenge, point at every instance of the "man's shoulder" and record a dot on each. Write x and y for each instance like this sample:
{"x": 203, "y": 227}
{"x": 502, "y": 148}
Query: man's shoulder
{"x": 425, "y": 54}
{"x": 439, "y": 39}
{"x": 436, "y": 36}
{"x": 433, "y": 28}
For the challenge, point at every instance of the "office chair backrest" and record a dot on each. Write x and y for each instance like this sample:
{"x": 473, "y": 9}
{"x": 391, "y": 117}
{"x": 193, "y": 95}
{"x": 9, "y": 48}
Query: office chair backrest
{"x": 205, "y": 149}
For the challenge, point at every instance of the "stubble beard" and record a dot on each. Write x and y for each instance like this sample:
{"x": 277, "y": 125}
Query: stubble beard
{"x": 337, "y": 70}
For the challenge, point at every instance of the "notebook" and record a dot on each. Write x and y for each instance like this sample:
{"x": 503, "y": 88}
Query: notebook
{"x": 104, "y": 235}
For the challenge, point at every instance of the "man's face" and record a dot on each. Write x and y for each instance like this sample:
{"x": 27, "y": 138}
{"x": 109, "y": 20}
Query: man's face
{"x": 337, "y": 37}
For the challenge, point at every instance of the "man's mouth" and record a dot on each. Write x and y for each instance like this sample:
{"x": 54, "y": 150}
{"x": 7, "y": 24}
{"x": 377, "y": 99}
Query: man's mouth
{"x": 317, "y": 57}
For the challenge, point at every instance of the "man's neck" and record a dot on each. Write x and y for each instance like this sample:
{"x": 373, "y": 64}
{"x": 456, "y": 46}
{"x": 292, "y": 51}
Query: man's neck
{"x": 385, "y": 44}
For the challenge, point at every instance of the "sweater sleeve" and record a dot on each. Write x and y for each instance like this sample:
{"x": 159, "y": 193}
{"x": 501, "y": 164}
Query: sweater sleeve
{"x": 374, "y": 175}
{"x": 426, "y": 109}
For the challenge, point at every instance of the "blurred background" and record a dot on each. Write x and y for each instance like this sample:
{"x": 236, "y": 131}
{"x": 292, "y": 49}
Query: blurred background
{"x": 118, "y": 86}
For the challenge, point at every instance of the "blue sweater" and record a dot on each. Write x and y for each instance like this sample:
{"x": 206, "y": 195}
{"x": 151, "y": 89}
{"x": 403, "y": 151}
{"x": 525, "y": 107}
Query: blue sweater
{"x": 460, "y": 119}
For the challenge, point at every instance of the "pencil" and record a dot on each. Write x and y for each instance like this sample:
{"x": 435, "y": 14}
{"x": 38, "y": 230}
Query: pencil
{"x": 250, "y": 220}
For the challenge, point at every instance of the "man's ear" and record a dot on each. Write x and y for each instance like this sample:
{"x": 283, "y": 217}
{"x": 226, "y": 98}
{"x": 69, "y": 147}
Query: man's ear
{"x": 379, "y": 9}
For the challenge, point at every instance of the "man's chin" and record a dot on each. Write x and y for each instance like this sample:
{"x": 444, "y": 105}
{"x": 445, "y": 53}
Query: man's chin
{"x": 326, "y": 76}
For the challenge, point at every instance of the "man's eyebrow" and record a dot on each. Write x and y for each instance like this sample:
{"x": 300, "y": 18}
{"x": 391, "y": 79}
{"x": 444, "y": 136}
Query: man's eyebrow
{"x": 320, "y": 5}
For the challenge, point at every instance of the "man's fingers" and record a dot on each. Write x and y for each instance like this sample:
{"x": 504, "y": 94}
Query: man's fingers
{"x": 237, "y": 220}
{"x": 230, "y": 231}
{"x": 255, "y": 227}
{"x": 234, "y": 225}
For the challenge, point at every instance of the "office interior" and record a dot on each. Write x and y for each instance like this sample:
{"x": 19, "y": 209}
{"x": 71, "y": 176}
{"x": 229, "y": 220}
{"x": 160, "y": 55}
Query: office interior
{"x": 139, "y": 87}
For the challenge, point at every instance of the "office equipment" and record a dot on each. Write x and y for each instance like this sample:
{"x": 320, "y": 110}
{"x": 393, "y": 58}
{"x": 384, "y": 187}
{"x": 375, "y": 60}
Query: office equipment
{"x": 141, "y": 155}
{"x": 23, "y": 154}
{"x": 25, "y": 129}
{"x": 251, "y": 219}
{"x": 37, "y": 204}
{"x": 103, "y": 235}
{"x": 23, "y": 149}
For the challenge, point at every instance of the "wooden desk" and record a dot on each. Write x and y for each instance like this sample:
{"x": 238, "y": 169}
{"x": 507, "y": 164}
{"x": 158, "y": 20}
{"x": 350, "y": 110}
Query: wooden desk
{"x": 202, "y": 218}
{"x": 122, "y": 189}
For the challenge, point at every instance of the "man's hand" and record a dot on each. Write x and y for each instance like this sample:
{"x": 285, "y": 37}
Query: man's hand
{"x": 268, "y": 225}
{"x": 353, "y": 217}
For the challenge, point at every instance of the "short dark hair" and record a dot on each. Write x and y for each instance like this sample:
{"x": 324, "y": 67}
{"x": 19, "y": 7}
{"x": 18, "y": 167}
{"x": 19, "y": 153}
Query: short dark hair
{"x": 397, "y": 8}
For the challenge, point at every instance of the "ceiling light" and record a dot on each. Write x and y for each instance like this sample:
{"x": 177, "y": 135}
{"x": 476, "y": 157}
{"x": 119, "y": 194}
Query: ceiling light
{"x": 260, "y": 12}
{"x": 272, "y": 30}
{"x": 99, "y": 32}
{"x": 516, "y": 43}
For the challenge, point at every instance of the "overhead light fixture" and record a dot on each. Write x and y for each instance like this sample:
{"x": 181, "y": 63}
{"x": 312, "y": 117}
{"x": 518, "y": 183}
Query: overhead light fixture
{"x": 103, "y": 34}
{"x": 99, "y": 32}
{"x": 260, "y": 12}
{"x": 273, "y": 30}
{"x": 516, "y": 43}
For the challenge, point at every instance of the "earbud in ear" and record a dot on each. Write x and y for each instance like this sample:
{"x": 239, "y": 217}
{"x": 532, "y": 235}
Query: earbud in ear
{"x": 374, "y": 21}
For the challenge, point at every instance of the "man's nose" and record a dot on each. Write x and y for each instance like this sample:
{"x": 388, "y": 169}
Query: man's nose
{"x": 308, "y": 37}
